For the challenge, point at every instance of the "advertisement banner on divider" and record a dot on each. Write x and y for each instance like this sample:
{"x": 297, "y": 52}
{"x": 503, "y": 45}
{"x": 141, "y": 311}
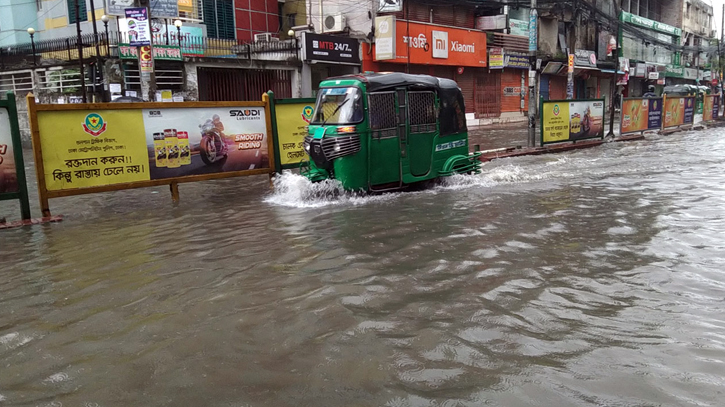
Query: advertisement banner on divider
{"x": 716, "y": 107}
{"x": 183, "y": 142}
{"x": 8, "y": 174}
{"x": 293, "y": 119}
{"x": 711, "y": 107}
{"x": 654, "y": 116}
{"x": 689, "y": 111}
{"x": 586, "y": 119}
{"x": 641, "y": 114}
{"x": 679, "y": 110}
{"x": 707, "y": 109}
{"x": 94, "y": 148}
{"x": 572, "y": 120}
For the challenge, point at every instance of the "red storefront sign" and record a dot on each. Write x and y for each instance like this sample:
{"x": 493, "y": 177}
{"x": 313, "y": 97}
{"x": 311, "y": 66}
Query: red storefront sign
{"x": 429, "y": 44}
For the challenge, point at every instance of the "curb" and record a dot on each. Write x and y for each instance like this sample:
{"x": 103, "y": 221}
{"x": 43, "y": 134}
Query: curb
{"x": 520, "y": 152}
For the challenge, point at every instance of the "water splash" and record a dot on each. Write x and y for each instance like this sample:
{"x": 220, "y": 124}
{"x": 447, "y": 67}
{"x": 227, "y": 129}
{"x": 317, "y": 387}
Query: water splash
{"x": 294, "y": 190}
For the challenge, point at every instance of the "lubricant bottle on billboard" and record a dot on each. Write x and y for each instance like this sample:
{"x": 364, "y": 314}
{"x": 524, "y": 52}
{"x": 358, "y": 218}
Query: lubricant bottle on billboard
{"x": 184, "y": 149}
{"x": 160, "y": 150}
{"x": 172, "y": 148}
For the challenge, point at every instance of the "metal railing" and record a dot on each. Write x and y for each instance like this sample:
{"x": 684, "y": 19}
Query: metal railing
{"x": 106, "y": 45}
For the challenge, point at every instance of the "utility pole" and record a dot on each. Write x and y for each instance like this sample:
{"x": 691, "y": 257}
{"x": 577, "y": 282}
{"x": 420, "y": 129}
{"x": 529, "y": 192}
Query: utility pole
{"x": 533, "y": 76}
{"x": 80, "y": 51}
{"x": 720, "y": 49}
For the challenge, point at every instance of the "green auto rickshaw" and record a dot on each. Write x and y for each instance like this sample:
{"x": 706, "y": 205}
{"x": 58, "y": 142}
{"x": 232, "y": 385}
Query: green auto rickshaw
{"x": 386, "y": 131}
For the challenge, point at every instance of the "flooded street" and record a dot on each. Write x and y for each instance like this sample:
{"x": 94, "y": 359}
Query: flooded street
{"x": 593, "y": 277}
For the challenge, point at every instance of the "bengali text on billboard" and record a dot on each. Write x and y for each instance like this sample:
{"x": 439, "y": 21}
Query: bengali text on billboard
{"x": 293, "y": 119}
{"x": 84, "y": 148}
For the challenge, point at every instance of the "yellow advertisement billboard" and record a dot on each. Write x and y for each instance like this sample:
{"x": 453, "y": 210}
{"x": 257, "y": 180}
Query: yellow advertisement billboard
{"x": 86, "y": 148}
{"x": 571, "y": 120}
{"x": 555, "y": 122}
{"x": 292, "y": 120}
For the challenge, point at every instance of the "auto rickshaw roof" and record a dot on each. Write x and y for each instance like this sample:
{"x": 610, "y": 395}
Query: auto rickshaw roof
{"x": 452, "y": 109}
{"x": 380, "y": 81}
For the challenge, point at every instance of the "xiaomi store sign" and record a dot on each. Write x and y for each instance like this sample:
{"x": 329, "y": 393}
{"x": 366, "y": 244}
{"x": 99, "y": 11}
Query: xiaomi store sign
{"x": 435, "y": 45}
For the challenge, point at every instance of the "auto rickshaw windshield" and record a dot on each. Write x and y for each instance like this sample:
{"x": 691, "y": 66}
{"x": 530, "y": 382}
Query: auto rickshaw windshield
{"x": 338, "y": 106}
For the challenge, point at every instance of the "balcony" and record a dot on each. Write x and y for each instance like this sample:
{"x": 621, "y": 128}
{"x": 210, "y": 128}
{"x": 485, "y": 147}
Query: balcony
{"x": 65, "y": 50}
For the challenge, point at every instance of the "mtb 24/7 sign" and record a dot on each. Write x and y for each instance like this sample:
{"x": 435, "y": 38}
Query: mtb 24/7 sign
{"x": 331, "y": 49}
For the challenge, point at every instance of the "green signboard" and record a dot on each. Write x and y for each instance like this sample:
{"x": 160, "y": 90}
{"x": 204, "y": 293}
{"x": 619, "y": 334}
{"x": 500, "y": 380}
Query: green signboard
{"x": 650, "y": 24}
{"x": 160, "y": 52}
{"x": 674, "y": 71}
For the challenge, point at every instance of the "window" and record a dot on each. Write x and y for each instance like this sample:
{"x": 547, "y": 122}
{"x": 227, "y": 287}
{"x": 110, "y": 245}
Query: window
{"x": 39, "y": 4}
{"x": 219, "y": 18}
{"x": 422, "y": 107}
{"x": 83, "y": 12}
{"x": 381, "y": 110}
{"x": 687, "y": 10}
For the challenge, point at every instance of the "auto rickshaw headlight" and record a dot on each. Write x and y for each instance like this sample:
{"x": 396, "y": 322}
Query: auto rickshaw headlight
{"x": 346, "y": 129}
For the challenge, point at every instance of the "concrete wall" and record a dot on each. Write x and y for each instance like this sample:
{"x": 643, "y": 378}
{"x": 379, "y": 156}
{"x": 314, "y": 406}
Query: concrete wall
{"x": 699, "y": 20}
{"x": 15, "y": 18}
{"x": 359, "y": 14}
{"x": 548, "y": 35}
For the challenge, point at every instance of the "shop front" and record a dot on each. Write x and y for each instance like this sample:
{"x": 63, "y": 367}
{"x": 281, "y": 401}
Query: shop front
{"x": 447, "y": 52}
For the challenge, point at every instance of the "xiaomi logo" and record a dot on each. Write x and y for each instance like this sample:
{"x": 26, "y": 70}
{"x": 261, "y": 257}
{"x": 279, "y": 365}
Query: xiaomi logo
{"x": 440, "y": 44}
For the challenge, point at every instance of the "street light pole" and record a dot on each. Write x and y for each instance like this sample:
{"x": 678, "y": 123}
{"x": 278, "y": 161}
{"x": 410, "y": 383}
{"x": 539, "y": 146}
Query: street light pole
{"x": 95, "y": 29}
{"x": 533, "y": 46}
{"x": 80, "y": 51}
{"x": 104, "y": 18}
{"x": 31, "y": 31}
{"x": 178, "y": 24}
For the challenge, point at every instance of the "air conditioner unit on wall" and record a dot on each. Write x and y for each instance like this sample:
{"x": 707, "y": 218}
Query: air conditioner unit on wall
{"x": 334, "y": 23}
{"x": 264, "y": 37}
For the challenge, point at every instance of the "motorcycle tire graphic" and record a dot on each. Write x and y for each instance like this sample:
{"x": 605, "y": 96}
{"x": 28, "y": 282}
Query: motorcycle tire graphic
{"x": 211, "y": 150}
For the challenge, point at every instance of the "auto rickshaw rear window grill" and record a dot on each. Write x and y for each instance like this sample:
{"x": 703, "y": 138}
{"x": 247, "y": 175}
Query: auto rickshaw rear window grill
{"x": 382, "y": 114}
{"x": 422, "y": 111}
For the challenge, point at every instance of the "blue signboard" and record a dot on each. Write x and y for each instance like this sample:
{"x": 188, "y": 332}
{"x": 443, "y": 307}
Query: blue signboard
{"x": 715, "y": 107}
{"x": 533, "y": 39}
{"x": 517, "y": 60}
{"x": 654, "y": 116}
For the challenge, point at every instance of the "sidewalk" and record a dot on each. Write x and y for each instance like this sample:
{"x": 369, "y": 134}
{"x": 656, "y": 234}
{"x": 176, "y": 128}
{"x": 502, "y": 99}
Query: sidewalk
{"x": 510, "y": 140}
{"x": 507, "y": 135}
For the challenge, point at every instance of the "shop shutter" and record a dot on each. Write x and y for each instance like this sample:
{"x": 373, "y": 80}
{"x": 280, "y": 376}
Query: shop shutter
{"x": 488, "y": 93}
{"x": 511, "y": 78}
{"x": 414, "y": 12}
{"x": 444, "y": 15}
{"x": 557, "y": 87}
{"x": 463, "y": 17}
{"x": 467, "y": 83}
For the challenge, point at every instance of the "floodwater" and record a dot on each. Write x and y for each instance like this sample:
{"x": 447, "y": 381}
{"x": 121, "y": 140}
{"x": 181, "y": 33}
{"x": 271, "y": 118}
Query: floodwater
{"x": 588, "y": 278}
